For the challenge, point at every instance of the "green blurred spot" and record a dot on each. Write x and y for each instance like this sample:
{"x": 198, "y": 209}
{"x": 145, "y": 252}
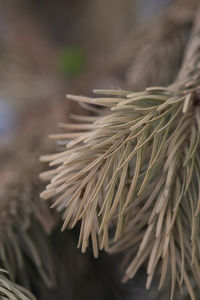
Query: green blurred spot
{"x": 72, "y": 61}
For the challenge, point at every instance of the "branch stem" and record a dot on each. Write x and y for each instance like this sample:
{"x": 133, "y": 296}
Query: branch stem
{"x": 189, "y": 74}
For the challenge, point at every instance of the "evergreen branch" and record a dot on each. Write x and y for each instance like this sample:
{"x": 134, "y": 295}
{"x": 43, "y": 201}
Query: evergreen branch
{"x": 25, "y": 222}
{"x": 133, "y": 171}
{"x": 149, "y": 49}
{"x": 21, "y": 235}
{"x": 133, "y": 179}
{"x": 12, "y": 291}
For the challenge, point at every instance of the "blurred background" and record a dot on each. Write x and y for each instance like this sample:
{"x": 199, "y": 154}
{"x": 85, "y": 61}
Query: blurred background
{"x": 50, "y": 48}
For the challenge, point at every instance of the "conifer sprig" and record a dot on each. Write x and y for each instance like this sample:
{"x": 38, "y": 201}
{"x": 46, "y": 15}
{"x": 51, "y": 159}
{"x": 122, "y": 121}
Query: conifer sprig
{"x": 12, "y": 291}
{"x": 134, "y": 171}
{"x": 132, "y": 176}
{"x": 20, "y": 232}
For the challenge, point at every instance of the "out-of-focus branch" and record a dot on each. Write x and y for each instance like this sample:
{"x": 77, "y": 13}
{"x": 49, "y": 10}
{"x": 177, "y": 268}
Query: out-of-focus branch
{"x": 146, "y": 52}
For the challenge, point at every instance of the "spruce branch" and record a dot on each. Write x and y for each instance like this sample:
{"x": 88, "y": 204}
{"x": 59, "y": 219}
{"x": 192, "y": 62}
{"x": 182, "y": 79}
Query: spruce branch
{"x": 25, "y": 222}
{"x": 132, "y": 176}
{"x": 21, "y": 235}
{"x": 147, "y": 51}
{"x": 169, "y": 37}
{"x": 12, "y": 291}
